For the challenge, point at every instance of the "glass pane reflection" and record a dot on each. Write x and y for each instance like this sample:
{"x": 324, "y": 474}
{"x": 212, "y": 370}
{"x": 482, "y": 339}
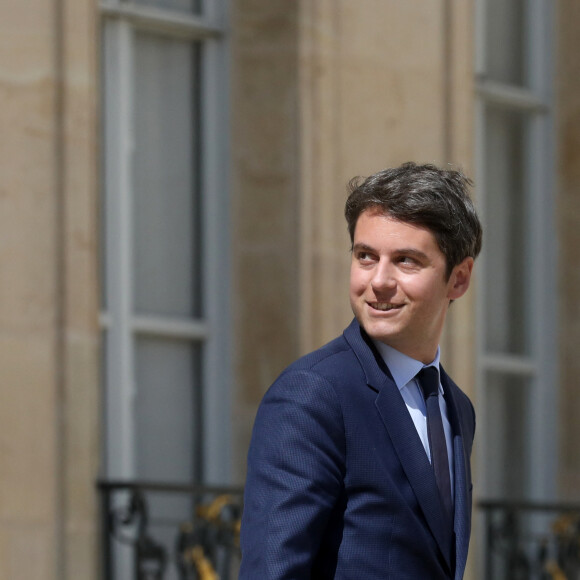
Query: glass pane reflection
{"x": 507, "y": 289}
{"x": 165, "y": 197}
{"x": 507, "y": 461}
{"x": 167, "y": 412}
{"x": 506, "y": 41}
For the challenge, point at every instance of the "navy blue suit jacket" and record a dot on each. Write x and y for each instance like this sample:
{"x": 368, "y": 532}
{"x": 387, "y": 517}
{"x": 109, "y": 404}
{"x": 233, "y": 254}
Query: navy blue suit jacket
{"x": 339, "y": 485}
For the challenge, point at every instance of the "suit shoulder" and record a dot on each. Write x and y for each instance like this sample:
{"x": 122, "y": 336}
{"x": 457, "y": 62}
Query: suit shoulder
{"x": 329, "y": 371}
{"x": 303, "y": 403}
{"x": 330, "y": 361}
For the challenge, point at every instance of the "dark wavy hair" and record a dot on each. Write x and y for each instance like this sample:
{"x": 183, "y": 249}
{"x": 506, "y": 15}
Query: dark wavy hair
{"x": 424, "y": 195}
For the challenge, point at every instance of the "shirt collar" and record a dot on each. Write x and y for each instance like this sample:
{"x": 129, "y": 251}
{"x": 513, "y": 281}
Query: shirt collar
{"x": 403, "y": 367}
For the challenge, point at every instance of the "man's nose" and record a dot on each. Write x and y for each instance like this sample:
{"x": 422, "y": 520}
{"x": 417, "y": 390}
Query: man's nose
{"x": 383, "y": 278}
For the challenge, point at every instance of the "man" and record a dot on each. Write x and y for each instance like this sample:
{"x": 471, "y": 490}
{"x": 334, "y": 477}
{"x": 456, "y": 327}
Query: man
{"x": 359, "y": 462}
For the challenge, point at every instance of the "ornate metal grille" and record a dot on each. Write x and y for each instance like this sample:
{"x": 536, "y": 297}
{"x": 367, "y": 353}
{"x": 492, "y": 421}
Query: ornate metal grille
{"x": 202, "y": 543}
{"x": 531, "y": 540}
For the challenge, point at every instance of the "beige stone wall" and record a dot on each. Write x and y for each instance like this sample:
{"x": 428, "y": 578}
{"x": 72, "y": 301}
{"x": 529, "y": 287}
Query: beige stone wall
{"x": 568, "y": 215}
{"x": 265, "y": 202}
{"x": 80, "y": 391}
{"x": 48, "y": 326}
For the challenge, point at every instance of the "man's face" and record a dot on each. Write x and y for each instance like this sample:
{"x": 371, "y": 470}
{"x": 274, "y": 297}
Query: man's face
{"x": 398, "y": 290}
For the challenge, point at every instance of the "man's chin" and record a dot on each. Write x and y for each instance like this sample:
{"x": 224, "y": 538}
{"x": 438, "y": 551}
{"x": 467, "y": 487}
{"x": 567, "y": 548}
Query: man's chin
{"x": 379, "y": 330}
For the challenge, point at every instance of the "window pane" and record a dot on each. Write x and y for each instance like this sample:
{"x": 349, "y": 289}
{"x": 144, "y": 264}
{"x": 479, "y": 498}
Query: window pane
{"x": 507, "y": 462}
{"x": 194, "y": 6}
{"x": 166, "y": 213}
{"x": 506, "y": 289}
{"x": 506, "y": 40}
{"x": 167, "y": 413}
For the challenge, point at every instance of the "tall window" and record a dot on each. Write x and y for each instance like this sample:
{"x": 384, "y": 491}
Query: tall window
{"x": 516, "y": 353}
{"x": 165, "y": 244}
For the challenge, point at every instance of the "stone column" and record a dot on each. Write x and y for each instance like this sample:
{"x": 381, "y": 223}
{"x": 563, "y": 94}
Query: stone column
{"x": 48, "y": 291}
{"x": 265, "y": 202}
{"x": 79, "y": 254}
{"x": 568, "y": 217}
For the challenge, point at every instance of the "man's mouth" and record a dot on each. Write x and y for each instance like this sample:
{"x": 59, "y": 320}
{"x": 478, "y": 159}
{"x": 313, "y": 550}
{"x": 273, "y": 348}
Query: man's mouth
{"x": 384, "y": 306}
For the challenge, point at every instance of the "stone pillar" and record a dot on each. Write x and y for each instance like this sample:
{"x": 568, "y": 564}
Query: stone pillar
{"x": 265, "y": 202}
{"x": 80, "y": 336}
{"x": 48, "y": 304}
{"x": 568, "y": 216}
{"x": 29, "y": 339}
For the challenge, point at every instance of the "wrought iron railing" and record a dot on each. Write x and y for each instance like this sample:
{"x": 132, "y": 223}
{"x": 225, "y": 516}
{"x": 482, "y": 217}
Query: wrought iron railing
{"x": 190, "y": 532}
{"x": 527, "y": 540}
{"x": 169, "y": 532}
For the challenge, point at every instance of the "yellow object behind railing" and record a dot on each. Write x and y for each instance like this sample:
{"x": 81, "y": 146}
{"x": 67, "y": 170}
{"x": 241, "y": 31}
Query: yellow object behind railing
{"x": 203, "y": 566}
{"x": 212, "y": 511}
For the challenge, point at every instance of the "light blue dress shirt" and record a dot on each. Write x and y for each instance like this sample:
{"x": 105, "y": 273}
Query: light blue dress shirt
{"x": 404, "y": 370}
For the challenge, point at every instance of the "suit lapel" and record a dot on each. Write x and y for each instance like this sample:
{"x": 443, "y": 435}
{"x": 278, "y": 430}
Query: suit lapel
{"x": 414, "y": 460}
{"x": 462, "y": 523}
{"x": 403, "y": 435}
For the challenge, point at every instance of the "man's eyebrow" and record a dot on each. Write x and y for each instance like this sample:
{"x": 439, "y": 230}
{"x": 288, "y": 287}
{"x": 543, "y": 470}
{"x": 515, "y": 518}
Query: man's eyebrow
{"x": 412, "y": 252}
{"x": 360, "y": 246}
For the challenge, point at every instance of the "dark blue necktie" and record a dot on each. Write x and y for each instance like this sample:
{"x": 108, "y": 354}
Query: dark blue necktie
{"x": 429, "y": 381}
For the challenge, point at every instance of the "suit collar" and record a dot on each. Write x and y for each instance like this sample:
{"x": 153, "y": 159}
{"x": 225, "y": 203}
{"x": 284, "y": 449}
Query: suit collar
{"x": 369, "y": 358}
{"x": 403, "y": 368}
{"x": 409, "y": 448}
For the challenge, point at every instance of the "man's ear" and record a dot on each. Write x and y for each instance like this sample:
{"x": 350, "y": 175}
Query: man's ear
{"x": 460, "y": 278}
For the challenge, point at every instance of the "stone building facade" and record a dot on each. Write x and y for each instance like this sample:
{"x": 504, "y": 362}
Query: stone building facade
{"x": 289, "y": 100}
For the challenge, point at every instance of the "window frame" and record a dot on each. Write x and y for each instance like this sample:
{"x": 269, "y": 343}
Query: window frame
{"x": 120, "y": 20}
{"x": 540, "y": 365}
